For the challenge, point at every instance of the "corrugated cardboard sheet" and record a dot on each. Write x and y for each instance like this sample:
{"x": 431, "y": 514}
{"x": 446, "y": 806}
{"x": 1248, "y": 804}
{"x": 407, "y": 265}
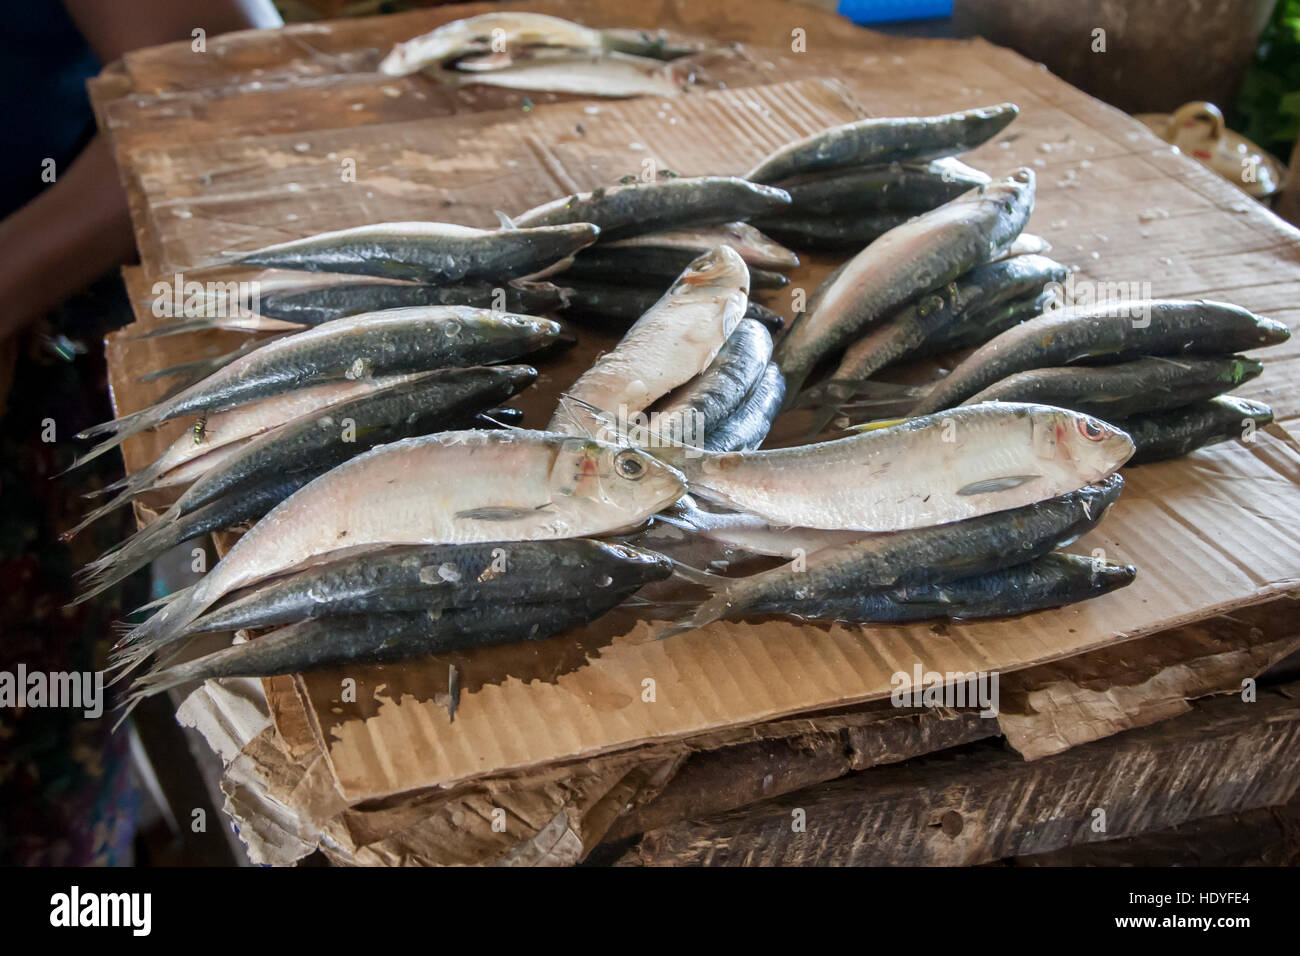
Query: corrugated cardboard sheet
{"x": 246, "y": 148}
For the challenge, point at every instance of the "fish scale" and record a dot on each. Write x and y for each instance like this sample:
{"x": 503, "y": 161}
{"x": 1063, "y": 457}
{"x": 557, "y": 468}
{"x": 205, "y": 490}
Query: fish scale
{"x": 906, "y": 475}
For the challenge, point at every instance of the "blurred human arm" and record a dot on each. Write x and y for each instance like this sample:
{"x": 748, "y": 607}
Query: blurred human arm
{"x": 78, "y": 228}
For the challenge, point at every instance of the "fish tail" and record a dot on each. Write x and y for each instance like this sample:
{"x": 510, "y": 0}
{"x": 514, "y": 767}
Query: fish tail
{"x": 167, "y": 625}
{"x": 119, "y": 430}
{"x": 147, "y": 685}
{"x": 95, "y": 514}
{"x": 179, "y": 328}
{"x": 708, "y": 611}
{"x": 131, "y": 555}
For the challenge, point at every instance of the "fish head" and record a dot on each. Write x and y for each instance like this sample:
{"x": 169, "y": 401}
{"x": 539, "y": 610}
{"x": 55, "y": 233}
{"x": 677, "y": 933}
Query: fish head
{"x": 1078, "y": 448}
{"x": 650, "y": 565}
{"x": 627, "y": 483}
{"x": 532, "y": 331}
{"x": 720, "y": 267}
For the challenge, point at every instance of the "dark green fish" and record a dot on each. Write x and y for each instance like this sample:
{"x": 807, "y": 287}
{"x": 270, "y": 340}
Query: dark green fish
{"x": 1112, "y": 333}
{"x": 885, "y": 139}
{"x": 746, "y": 427}
{"x": 450, "y": 576}
{"x": 1182, "y": 431}
{"x": 624, "y": 304}
{"x": 840, "y": 193}
{"x": 692, "y": 412}
{"x": 397, "y": 635}
{"x": 639, "y": 266}
{"x": 1053, "y": 580}
{"x": 326, "y": 303}
{"x": 832, "y": 233}
{"x": 927, "y": 319}
{"x": 880, "y": 562}
{"x": 922, "y": 254}
{"x": 640, "y": 207}
{"x": 975, "y": 329}
{"x": 357, "y": 347}
{"x": 435, "y": 252}
{"x": 1112, "y": 392}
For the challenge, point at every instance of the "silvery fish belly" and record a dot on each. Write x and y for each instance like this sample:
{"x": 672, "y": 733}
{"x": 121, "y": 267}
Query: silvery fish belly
{"x": 667, "y": 347}
{"x": 925, "y": 471}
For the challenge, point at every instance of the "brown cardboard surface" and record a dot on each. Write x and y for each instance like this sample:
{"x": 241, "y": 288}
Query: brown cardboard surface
{"x": 1211, "y": 533}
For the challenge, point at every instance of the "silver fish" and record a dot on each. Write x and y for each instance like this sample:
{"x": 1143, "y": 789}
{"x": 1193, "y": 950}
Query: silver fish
{"x": 922, "y": 254}
{"x": 358, "y": 347}
{"x": 925, "y": 471}
{"x": 887, "y": 139}
{"x": 667, "y": 347}
{"x": 447, "y": 488}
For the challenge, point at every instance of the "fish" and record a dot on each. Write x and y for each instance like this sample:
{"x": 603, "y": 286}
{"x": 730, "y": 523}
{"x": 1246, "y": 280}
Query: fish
{"x": 438, "y": 400}
{"x": 859, "y": 189}
{"x": 1113, "y": 332}
{"x": 488, "y": 32}
{"x": 1172, "y": 434}
{"x": 916, "y": 257}
{"x": 312, "y": 644}
{"x": 1054, "y": 580}
{"x": 833, "y": 233}
{"x": 308, "y": 307}
{"x": 357, "y": 347}
{"x": 641, "y": 207}
{"x": 659, "y": 44}
{"x": 668, "y": 346}
{"x": 924, "y": 471}
{"x": 914, "y": 557}
{"x": 649, "y": 265}
{"x": 747, "y": 427}
{"x": 1111, "y": 392}
{"x": 975, "y": 328}
{"x": 625, "y": 304}
{"x": 190, "y": 372}
{"x": 880, "y": 140}
{"x": 430, "y": 252}
{"x": 222, "y": 429}
{"x": 754, "y": 247}
{"x": 441, "y": 576}
{"x": 584, "y": 74}
{"x": 459, "y": 487}
{"x": 736, "y": 529}
{"x": 706, "y": 401}
{"x": 923, "y": 320}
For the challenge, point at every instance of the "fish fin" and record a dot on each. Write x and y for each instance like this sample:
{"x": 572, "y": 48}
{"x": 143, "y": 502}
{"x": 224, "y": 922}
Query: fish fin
{"x": 504, "y": 513}
{"x": 554, "y": 268}
{"x": 991, "y": 485}
{"x": 485, "y": 416}
{"x": 119, "y": 430}
{"x": 506, "y": 221}
{"x": 873, "y": 426}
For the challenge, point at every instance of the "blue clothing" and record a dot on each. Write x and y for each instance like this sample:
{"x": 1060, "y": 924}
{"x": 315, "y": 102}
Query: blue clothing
{"x": 44, "y": 109}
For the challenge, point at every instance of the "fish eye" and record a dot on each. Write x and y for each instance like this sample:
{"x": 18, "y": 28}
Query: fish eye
{"x": 1091, "y": 429}
{"x": 629, "y": 465}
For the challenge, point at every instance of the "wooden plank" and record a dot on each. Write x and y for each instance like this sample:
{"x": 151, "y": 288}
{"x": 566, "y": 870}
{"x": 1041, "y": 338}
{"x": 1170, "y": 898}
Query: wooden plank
{"x": 1269, "y": 836}
{"x": 1043, "y": 710}
{"x": 974, "y": 807}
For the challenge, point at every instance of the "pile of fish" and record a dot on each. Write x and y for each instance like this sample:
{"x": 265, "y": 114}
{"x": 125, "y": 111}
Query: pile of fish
{"x": 533, "y": 51}
{"x": 396, "y": 509}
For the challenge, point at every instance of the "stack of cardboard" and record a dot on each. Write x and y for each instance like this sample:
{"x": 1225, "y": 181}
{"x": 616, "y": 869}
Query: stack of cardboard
{"x": 554, "y": 747}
